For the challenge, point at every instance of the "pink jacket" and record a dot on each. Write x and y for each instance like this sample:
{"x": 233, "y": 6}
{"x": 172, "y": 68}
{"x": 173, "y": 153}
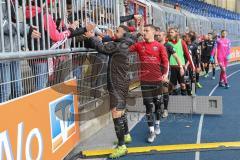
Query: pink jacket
{"x": 223, "y": 48}
{"x": 54, "y": 34}
{"x": 48, "y": 21}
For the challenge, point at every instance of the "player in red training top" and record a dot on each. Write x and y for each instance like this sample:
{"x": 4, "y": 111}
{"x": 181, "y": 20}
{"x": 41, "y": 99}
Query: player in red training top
{"x": 153, "y": 76}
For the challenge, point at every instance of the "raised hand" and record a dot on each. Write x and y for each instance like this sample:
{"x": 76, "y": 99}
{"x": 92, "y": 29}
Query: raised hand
{"x": 74, "y": 25}
{"x": 89, "y": 34}
{"x": 35, "y": 34}
{"x": 90, "y": 26}
{"x": 110, "y": 32}
{"x": 142, "y": 22}
{"x": 137, "y": 16}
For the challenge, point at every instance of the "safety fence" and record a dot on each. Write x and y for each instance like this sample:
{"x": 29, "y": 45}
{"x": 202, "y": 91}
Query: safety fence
{"x": 22, "y": 75}
{"x": 51, "y": 93}
{"x": 51, "y": 29}
{"x": 45, "y": 67}
{"x": 58, "y": 21}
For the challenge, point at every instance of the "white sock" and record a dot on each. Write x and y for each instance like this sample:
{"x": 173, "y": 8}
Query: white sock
{"x": 157, "y": 122}
{"x": 151, "y": 129}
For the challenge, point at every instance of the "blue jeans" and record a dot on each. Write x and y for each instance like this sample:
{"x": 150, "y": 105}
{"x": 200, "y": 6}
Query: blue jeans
{"x": 10, "y": 81}
{"x": 40, "y": 71}
{"x": 77, "y": 72}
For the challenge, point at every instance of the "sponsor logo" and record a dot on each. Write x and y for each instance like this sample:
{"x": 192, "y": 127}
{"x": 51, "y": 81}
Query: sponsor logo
{"x": 61, "y": 120}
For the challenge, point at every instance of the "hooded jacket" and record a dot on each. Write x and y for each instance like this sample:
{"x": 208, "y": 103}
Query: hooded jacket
{"x": 6, "y": 30}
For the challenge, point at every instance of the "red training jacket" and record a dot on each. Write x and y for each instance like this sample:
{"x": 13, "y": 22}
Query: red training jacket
{"x": 154, "y": 60}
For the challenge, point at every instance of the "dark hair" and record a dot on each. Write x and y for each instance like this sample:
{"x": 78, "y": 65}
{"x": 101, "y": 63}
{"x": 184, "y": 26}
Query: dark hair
{"x": 20, "y": 2}
{"x": 151, "y": 26}
{"x": 176, "y": 5}
{"x": 223, "y": 31}
{"x": 173, "y": 28}
{"x": 157, "y": 29}
{"x": 183, "y": 36}
{"x": 125, "y": 28}
{"x": 192, "y": 36}
{"x": 69, "y": 2}
{"x": 210, "y": 33}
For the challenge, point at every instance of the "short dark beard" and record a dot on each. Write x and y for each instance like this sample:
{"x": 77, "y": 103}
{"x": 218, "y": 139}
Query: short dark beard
{"x": 173, "y": 38}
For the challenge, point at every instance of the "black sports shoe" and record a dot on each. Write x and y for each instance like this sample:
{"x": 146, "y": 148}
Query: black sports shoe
{"x": 227, "y": 86}
{"x": 221, "y": 84}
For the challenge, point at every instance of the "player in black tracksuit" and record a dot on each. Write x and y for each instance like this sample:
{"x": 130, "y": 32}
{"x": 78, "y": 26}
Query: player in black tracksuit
{"x": 193, "y": 48}
{"x": 207, "y": 47}
{"x": 117, "y": 82}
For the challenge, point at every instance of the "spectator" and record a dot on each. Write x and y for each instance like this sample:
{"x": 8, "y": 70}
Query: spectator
{"x": 177, "y": 7}
{"x": 40, "y": 66}
{"x": 10, "y": 72}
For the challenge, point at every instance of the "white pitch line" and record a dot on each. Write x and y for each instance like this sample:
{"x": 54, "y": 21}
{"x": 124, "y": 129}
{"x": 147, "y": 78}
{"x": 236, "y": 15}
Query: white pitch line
{"x": 197, "y": 155}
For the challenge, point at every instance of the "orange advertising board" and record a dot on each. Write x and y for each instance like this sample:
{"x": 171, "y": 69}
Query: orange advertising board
{"x": 235, "y": 54}
{"x": 40, "y": 126}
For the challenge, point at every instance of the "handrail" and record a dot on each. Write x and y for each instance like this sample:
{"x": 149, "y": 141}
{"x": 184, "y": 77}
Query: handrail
{"x": 31, "y": 54}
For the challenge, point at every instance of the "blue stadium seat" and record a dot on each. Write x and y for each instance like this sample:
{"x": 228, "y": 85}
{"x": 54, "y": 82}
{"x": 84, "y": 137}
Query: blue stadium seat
{"x": 196, "y": 6}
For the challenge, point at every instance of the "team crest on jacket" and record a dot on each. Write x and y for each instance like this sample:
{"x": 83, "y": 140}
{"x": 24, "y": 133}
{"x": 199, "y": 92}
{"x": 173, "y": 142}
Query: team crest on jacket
{"x": 155, "y": 48}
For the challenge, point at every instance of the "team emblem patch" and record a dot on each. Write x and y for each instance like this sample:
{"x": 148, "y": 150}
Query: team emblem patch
{"x": 155, "y": 48}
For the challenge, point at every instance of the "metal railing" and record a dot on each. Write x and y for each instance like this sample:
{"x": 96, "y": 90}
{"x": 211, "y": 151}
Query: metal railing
{"x": 29, "y": 64}
{"x": 25, "y": 74}
{"x": 54, "y": 19}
